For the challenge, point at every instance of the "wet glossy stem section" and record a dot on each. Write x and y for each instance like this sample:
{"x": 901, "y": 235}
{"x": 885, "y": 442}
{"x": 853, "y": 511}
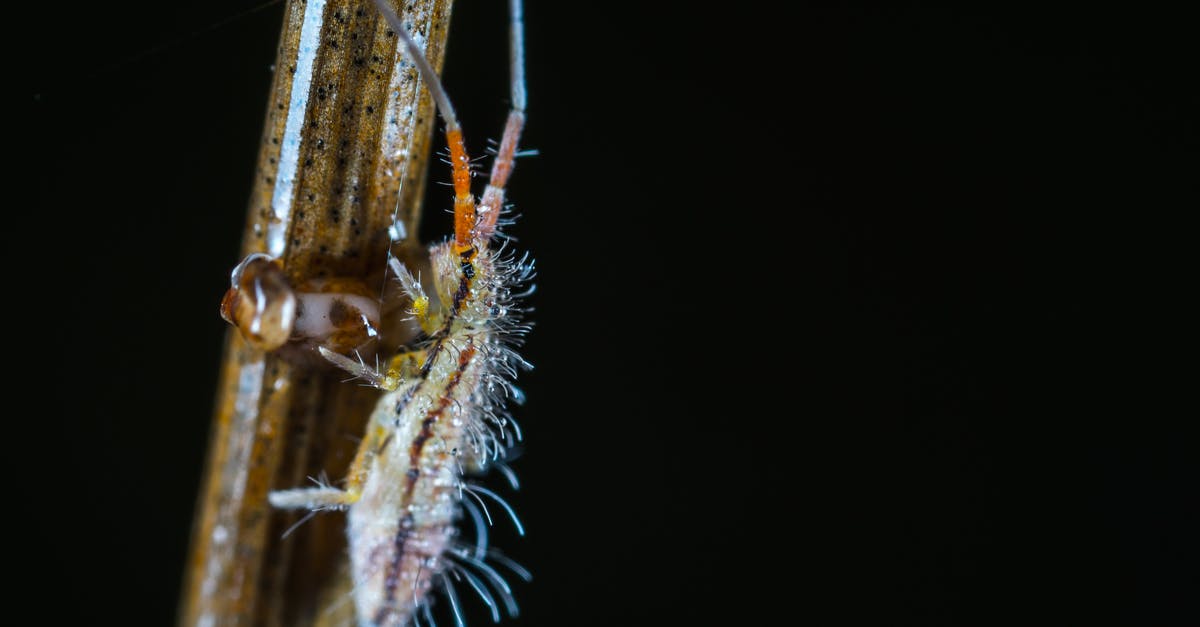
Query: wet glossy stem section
{"x": 340, "y": 176}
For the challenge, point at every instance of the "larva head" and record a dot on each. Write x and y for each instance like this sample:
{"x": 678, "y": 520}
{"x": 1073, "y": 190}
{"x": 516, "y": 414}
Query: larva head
{"x": 260, "y": 303}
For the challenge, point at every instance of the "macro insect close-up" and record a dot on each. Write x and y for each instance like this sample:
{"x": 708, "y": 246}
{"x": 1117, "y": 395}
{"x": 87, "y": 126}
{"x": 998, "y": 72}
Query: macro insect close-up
{"x": 416, "y": 510}
{"x": 444, "y": 414}
{"x": 842, "y": 313}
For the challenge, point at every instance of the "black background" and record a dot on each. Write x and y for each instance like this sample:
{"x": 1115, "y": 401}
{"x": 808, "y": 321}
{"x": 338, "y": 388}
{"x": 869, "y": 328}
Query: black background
{"x": 861, "y": 315}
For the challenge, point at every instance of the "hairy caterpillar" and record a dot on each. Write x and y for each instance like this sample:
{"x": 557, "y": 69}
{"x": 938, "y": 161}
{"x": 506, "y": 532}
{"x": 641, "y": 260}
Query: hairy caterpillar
{"x": 443, "y": 415}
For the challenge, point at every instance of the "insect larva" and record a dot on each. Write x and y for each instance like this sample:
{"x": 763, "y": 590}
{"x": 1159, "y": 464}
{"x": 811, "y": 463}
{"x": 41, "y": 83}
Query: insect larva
{"x": 443, "y": 415}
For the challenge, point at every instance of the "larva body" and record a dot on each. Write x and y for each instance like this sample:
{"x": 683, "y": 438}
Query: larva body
{"x": 404, "y": 519}
{"x": 442, "y": 417}
{"x": 429, "y": 430}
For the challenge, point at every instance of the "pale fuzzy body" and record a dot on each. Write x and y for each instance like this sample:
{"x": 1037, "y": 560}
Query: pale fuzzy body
{"x": 443, "y": 416}
{"x": 434, "y": 427}
{"x": 404, "y": 519}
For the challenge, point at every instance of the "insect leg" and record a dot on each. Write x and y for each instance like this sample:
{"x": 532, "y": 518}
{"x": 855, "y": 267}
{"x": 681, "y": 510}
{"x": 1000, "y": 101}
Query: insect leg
{"x": 328, "y": 497}
{"x": 361, "y": 466}
{"x": 401, "y": 367}
{"x": 429, "y": 320}
{"x": 321, "y": 498}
